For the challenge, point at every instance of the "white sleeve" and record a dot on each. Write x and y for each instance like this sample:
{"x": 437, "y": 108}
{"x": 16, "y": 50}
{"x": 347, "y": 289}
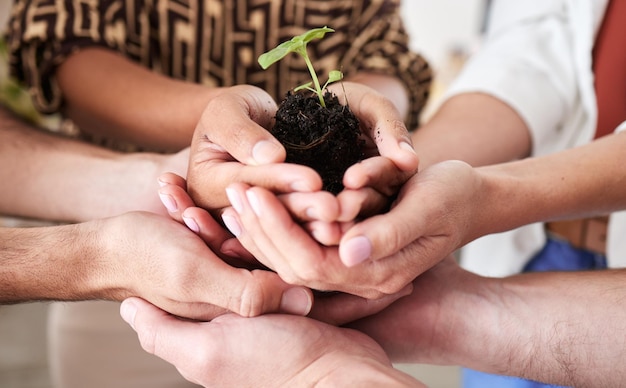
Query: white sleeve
{"x": 530, "y": 59}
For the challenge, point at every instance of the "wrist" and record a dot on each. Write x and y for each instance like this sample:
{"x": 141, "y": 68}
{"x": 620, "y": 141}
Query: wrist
{"x": 495, "y": 338}
{"x": 352, "y": 371}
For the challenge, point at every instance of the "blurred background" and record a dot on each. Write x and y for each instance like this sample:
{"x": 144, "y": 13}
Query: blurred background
{"x": 444, "y": 31}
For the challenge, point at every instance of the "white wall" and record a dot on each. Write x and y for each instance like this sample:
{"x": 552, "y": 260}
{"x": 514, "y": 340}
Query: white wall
{"x": 436, "y": 26}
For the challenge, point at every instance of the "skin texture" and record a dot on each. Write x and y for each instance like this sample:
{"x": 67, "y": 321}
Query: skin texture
{"x": 140, "y": 254}
{"x": 253, "y": 156}
{"x": 74, "y": 175}
{"x": 577, "y": 341}
{"x": 214, "y": 353}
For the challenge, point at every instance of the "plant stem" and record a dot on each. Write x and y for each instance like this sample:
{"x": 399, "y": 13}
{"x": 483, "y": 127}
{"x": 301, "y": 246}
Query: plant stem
{"x": 316, "y": 82}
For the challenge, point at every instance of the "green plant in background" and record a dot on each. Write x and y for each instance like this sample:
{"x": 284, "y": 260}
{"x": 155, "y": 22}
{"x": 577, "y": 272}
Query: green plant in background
{"x": 297, "y": 45}
{"x": 12, "y": 94}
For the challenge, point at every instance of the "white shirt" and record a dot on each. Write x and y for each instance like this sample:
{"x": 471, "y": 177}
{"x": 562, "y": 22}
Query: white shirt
{"x": 536, "y": 57}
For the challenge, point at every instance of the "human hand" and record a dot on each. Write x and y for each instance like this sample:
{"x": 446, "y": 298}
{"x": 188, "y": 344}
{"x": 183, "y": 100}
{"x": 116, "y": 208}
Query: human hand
{"x": 231, "y": 142}
{"x": 266, "y": 229}
{"x": 431, "y": 218}
{"x": 435, "y": 213}
{"x": 232, "y": 351}
{"x": 334, "y": 308}
{"x": 160, "y": 260}
{"x": 430, "y": 325}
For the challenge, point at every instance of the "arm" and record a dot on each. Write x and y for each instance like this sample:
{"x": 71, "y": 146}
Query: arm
{"x": 232, "y": 350}
{"x": 492, "y": 114}
{"x": 451, "y": 204}
{"x": 166, "y": 117}
{"x": 138, "y": 254}
{"x": 559, "y": 328}
{"x": 477, "y": 128}
{"x": 51, "y": 177}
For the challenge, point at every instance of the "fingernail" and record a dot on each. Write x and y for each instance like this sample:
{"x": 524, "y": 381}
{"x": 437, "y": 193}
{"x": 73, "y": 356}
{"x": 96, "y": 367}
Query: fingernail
{"x": 168, "y": 202}
{"x": 254, "y": 202}
{"x": 232, "y": 224}
{"x": 161, "y": 183}
{"x": 296, "y": 301}
{"x": 234, "y": 199}
{"x": 406, "y": 146}
{"x": 191, "y": 224}
{"x": 355, "y": 251}
{"x": 264, "y": 152}
{"x": 128, "y": 310}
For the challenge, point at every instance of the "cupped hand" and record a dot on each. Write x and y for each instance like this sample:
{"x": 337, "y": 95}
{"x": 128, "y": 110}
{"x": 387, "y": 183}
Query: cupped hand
{"x": 231, "y": 143}
{"x": 266, "y": 229}
{"x": 333, "y": 308}
{"x": 233, "y": 351}
{"x": 162, "y": 261}
{"x": 433, "y": 215}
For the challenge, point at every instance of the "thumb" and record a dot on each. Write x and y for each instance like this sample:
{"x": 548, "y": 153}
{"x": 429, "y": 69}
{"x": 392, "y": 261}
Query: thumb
{"x": 155, "y": 327}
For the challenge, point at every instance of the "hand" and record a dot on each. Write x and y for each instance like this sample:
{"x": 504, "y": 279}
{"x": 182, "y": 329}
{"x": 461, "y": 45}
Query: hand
{"x": 334, "y": 308}
{"x": 267, "y": 230}
{"x": 217, "y": 154}
{"x": 232, "y": 351}
{"x": 430, "y": 219}
{"x": 433, "y": 215}
{"x": 151, "y": 256}
{"x": 428, "y": 325}
{"x": 230, "y": 144}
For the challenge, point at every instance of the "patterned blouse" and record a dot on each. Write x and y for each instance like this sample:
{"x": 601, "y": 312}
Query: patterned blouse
{"x": 214, "y": 42}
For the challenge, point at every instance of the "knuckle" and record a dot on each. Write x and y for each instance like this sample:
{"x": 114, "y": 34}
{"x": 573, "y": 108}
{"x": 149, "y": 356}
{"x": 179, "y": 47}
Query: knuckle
{"x": 252, "y": 299}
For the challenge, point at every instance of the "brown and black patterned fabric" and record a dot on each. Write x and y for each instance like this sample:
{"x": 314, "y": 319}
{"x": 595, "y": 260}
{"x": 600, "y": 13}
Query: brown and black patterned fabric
{"x": 214, "y": 42}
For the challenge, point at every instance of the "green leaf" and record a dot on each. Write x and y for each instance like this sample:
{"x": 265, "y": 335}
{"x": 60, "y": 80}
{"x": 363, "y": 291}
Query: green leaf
{"x": 316, "y": 33}
{"x": 305, "y": 86}
{"x": 276, "y": 54}
{"x": 297, "y": 44}
{"x": 334, "y": 75}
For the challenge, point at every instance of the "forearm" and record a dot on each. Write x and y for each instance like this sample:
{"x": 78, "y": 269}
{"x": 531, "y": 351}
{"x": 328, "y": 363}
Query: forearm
{"x": 48, "y": 263}
{"x": 578, "y": 182}
{"x": 474, "y": 127}
{"x": 560, "y": 328}
{"x": 49, "y": 177}
{"x": 168, "y": 109}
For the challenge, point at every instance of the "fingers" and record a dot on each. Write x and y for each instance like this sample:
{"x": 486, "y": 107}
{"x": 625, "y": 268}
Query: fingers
{"x": 378, "y": 237}
{"x": 268, "y": 231}
{"x": 244, "y": 292}
{"x": 237, "y": 120}
{"x": 155, "y": 327}
{"x": 173, "y": 195}
{"x": 381, "y": 122}
{"x": 210, "y": 172}
{"x": 181, "y": 207}
{"x": 363, "y": 202}
{"x": 377, "y": 172}
{"x": 339, "y": 309}
{"x": 319, "y": 206}
{"x": 170, "y": 338}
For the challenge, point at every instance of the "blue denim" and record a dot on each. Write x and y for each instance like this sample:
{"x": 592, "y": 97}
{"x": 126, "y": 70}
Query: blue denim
{"x": 556, "y": 255}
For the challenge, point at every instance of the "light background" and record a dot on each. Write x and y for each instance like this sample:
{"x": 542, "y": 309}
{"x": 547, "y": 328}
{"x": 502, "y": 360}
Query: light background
{"x": 439, "y": 29}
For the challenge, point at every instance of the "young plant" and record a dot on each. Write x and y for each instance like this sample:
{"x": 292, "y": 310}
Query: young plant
{"x": 297, "y": 45}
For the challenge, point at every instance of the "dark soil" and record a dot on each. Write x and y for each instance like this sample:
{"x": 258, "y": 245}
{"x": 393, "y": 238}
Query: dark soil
{"x": 323, "y": 138}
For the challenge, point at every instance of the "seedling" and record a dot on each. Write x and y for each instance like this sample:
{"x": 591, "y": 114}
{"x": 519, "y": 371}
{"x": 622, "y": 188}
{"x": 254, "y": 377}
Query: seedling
{"x": 297, "y": 45}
